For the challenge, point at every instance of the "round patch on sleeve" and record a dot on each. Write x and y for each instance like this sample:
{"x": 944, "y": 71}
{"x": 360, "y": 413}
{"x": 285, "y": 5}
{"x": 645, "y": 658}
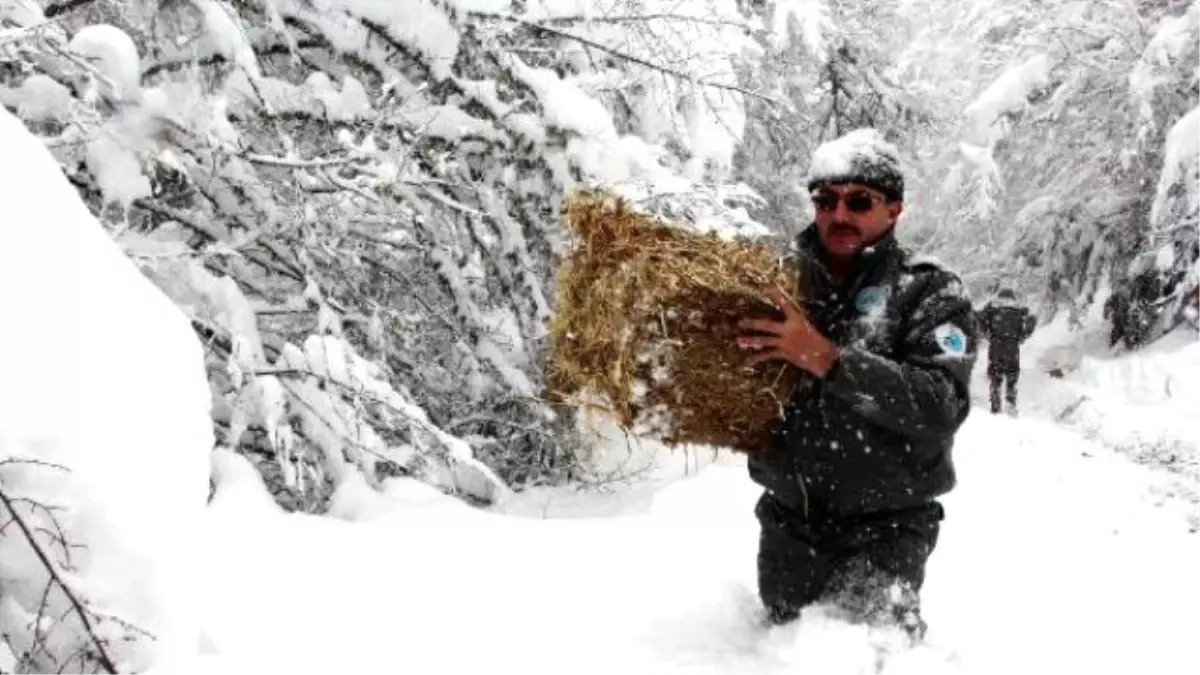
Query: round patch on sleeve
{"x": 951, "y": 339}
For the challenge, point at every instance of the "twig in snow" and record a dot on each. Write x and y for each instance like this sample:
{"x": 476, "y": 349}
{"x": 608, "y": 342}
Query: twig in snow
{"x": 81, "y": 611}
{"x": 1069, "y": 410}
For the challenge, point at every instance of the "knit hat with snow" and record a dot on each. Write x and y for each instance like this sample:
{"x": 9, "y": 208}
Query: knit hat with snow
{"x": 861, "y": 156}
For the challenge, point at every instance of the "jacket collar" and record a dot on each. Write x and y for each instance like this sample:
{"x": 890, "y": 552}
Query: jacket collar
{"x": 866, "y": 262}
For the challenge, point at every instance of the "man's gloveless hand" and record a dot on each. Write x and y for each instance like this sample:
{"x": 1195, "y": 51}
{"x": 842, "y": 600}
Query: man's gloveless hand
{"x": 794, "y": 339}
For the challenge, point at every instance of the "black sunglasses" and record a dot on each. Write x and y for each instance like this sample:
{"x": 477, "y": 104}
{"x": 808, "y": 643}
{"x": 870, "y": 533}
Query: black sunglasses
{"x": 856, "y": 202}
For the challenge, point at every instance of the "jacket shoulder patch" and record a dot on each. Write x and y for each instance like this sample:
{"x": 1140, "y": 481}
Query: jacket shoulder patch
{"x": 951, "y": 339}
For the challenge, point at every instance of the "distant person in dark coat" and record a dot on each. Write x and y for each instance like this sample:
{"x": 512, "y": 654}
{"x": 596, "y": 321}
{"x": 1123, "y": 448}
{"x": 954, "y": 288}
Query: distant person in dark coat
{"x": 1006, "y": 324}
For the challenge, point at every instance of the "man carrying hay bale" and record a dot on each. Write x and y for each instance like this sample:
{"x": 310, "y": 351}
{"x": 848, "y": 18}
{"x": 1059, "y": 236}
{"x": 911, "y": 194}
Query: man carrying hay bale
{"x": 884, "y": 343}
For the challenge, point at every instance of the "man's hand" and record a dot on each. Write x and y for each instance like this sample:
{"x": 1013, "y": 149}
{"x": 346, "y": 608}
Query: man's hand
{"x": 794, "y": 339}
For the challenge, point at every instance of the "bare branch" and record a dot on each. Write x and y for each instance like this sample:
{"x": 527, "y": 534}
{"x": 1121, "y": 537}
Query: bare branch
{"x": 217, "y": 59}
{"x": 52, "y": 570}
{"x": 55, "y": 9}
{"x": 178, "y": 216}
{"x": 298, "y": 163}
{"x": 550, "y": 30}
{"x": 346, "y": 185}
{"x": 450, "y": 202}
{"x": 499, "y": 421}
{"x": 17, "y": 34}
{"x": 58, "y": 536}
{"x": 642, "y": 18}
{"x": 35, "y": 462}
{"x": 39, "y": 634}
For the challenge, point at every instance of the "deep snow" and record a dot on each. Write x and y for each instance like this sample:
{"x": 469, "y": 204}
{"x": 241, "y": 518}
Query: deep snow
{"x": 1058, "y": 554}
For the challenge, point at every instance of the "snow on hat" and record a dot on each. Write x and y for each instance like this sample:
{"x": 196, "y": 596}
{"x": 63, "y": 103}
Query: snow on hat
{"x": 861, "y": 156}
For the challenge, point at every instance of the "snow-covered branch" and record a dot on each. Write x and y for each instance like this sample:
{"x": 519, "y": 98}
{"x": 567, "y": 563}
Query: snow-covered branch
{"x": 300, "y": 163}
{"x": 52, "y": 568}
{"x": 540, "y": 27}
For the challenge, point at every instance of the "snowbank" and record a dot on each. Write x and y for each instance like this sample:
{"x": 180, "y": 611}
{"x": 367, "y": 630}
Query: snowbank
{"x": 103, "y": 375}
{"x": 1140, "y": 404}
{"x": 1054, "y": 557}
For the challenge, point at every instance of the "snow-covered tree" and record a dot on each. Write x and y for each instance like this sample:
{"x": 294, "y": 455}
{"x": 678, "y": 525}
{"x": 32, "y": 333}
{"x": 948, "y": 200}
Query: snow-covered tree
{"x": 357, "y": 202}
{"x": 1060, "y": 148}
{"x": 825, "y": 67}
{"x": 1054, "y": 128}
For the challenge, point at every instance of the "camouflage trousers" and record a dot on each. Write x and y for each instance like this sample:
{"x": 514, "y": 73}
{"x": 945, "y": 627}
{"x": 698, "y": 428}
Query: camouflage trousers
{"x": 870, "y": 568}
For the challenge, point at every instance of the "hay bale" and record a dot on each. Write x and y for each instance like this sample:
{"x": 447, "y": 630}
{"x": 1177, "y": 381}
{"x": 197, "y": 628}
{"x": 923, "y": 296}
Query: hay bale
{"x": 647, "y": 320}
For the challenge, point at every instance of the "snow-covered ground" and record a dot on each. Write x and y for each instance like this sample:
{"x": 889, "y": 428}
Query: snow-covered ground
{"x": 1058, "y": 554}
{"x": 1141, "y": 405}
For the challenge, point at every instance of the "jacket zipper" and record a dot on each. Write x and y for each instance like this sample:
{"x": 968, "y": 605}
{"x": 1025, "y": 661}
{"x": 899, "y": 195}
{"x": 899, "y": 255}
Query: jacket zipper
{"x": 845, "y": 302}
{"x": 800, "y": 475}
{"x": 803, "y": 496}
{"x": 839, "y": 317}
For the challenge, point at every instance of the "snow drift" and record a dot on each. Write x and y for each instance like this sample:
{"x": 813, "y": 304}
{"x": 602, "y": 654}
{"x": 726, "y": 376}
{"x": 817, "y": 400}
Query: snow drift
{"x": 103, "y": 376}
{"x": 1057, "y": 555}
{"x": 1053, "y": 559}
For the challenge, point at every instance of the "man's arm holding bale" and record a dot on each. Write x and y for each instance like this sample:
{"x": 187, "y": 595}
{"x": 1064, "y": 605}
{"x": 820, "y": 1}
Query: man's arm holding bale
{"x": 922, "y": 393}
{"x": 794, "y": 339}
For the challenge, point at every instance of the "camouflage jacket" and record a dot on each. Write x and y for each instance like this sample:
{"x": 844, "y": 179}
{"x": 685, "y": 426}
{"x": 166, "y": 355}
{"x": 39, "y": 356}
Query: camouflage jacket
{"x": 875, "y": 434}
